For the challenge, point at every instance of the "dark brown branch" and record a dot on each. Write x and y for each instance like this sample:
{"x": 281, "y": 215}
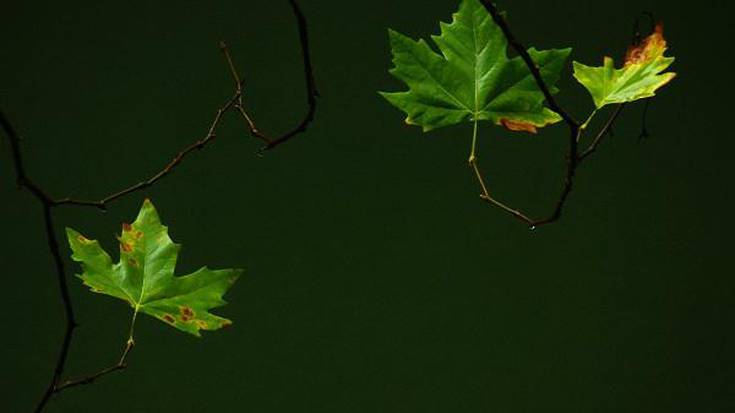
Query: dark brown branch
{"x": 48, "y": 202}
{"x": 235, "y": 102}
{"x": 574, "y": 126}
{"x": 25, "y": 182}
{"x": 532, "y": 67}
{"x": 20, "y": 173}
{"x": 311, "y": 92}
{"x": 200, "y": 144}
{"x": 68, "y": 308}
{"x": 238, "y": 87}
{"x": 573, "y": 158}
{"x": 572, "y": 163}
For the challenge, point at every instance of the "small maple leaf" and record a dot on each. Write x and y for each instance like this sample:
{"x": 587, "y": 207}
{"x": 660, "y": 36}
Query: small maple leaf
{"x": 639, "y": 77}
{"x": 144, "y": 276}
{"x": 473, "y": 78}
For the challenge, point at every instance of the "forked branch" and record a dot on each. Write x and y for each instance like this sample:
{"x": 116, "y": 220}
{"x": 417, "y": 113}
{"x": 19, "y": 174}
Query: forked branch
{"x": 57, "y": 384}
{"x": 311, "y": 92}
{"x": 573, "y": 157}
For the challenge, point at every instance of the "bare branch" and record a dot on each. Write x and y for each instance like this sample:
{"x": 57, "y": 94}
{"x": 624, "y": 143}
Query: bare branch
{"x": 573, "y": 125}
{"x": 573, "y": 158}
{"x": 24, "y": 181}
{"x": 602, "y": 133}
{"x": 311, "y": 92}
{"x": 198, "y": 145}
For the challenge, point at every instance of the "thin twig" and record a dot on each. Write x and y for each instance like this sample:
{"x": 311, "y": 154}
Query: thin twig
{"x": 602, "y": 133}
{"x": 311, "y": 92}
{"x": 56, "y": 384}
{"x": 89, "y": 379}
{"x": 644, "y": 121}
{"x": 234, "y": 102}
{"x": 200, "y": 144}
{"x": 486, "y": 196}
{"x": 573, "y": 158}
{"x": 238, "y": 87}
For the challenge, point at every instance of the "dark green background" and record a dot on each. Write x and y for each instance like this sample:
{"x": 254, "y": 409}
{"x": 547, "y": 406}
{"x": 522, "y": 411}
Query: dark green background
{"x": 376, "y": 280}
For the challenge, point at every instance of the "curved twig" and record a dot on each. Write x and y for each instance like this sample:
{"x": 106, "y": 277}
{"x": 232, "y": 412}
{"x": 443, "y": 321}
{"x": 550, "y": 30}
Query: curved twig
{"x": 311, "y": 92}
{"x": 56, "y": 383}
{"x": 198, "y": 145}
{"x": 89, "y": 379}
{"x": 573, "y": 157}
{"x": 602, "y": 133}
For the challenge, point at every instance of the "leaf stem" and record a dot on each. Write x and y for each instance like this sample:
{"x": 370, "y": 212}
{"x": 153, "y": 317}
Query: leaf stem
{"x": 131, "y": 339}
{"x": 120, "y": 365}
{"x": 483, "y": 186}
{"x": 474, "y": 143}
{"x": 602, "y": 133}
{"x": 587, "y": 122}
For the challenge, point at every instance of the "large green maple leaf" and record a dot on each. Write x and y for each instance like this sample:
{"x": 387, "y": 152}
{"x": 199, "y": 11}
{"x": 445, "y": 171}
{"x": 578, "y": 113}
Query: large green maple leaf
{"x": 639, "y": 78}
{"x": 473, "y": 79}
{"x": 144, "y": 276}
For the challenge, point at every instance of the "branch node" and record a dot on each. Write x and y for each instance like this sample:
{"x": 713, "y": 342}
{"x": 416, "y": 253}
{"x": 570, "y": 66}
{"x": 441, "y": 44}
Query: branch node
{"x": 23, "y": 181}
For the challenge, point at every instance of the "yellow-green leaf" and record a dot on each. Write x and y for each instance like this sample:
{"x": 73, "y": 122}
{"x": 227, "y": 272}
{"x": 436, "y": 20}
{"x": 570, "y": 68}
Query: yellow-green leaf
{"x": 639, "y": 78}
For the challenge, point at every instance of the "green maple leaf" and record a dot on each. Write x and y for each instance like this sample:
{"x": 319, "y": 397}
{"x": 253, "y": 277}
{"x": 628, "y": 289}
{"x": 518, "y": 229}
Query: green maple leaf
{"x": 472, "y": 79}
{"x": 639, "y": 78}
{"x": 144, "y": 277}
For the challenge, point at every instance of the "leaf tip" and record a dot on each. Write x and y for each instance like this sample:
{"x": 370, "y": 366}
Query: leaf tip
{"x": 70, "y": 232}
{"x": 649, "y": 49}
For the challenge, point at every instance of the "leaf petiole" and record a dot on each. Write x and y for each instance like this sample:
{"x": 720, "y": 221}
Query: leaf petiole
{"x": 474, "y": 143}
{"x": 586, "y": 123}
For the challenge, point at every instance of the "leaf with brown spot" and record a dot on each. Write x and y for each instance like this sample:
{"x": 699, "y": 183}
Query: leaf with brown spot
{"x": 144, "y": 275}
{"x": 639, "y": 78}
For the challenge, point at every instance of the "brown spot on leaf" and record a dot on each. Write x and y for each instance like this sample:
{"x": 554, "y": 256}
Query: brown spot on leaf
{"x": 133, "y": 262}
{"x": 226, "y": 324}
{"x": 650, "y": 48}
{"x": 518, "y": 126}
{"x": 126, "y": 247}
{"x": 83, "y": 239}
{"x": 126, "y": 227}
{"x": 168, "y": 318}
{"x": 186, "y": 313}
{"x": 202, "y": 324}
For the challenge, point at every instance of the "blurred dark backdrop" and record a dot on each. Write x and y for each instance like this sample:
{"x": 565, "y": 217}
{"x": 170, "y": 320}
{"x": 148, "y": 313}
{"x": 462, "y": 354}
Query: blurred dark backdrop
{"x": 376, "y": 280}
